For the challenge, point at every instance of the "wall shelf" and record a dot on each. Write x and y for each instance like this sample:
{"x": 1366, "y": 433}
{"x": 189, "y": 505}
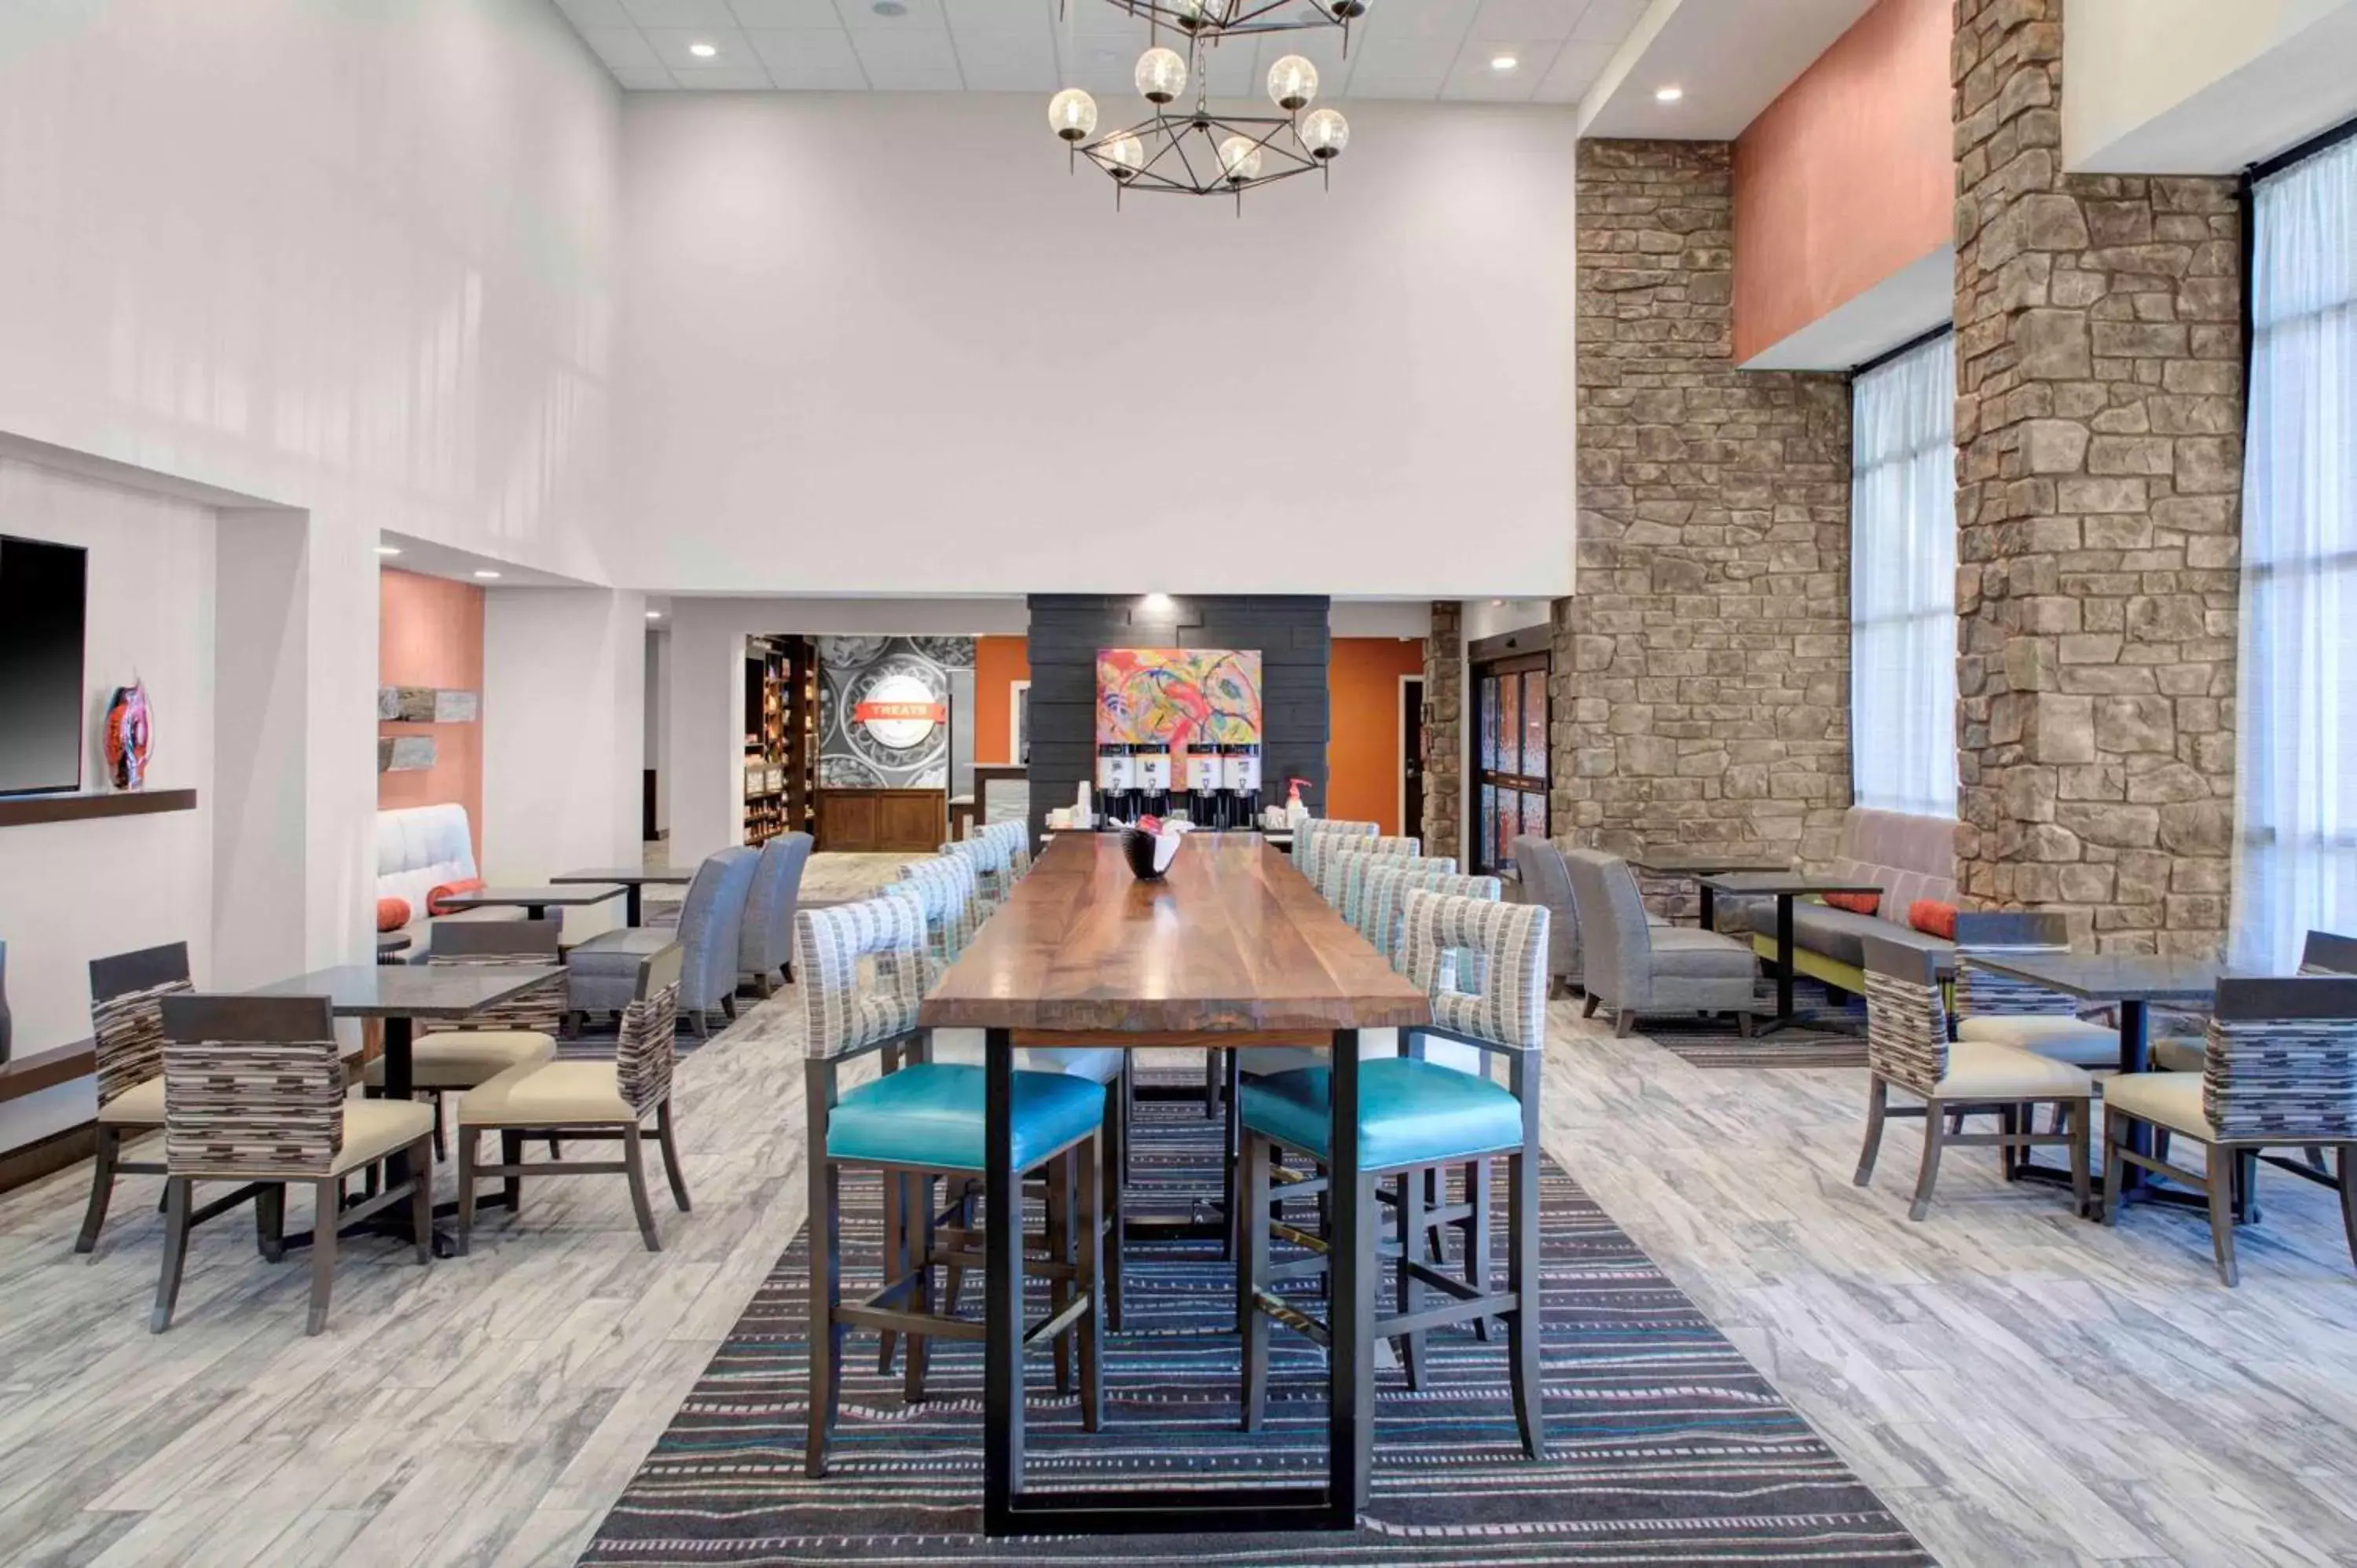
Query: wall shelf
{"x": 22, "y": 810}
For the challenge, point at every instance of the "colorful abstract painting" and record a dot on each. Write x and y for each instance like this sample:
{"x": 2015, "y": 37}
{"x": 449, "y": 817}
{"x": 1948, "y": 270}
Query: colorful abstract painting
{"x": 1185, "y": 696}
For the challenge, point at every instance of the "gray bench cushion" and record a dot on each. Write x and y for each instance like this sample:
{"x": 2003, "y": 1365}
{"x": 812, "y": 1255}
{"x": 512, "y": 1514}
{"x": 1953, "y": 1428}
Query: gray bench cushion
{"x": 1682, "y": 952}
{"x": 1839, "y": 935}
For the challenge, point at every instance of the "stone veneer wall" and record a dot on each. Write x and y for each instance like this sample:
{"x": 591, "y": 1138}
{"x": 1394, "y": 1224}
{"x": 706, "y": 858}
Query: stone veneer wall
{"x": 1443, "y": 731}
{"x": 2098, "y": 475}
{"x": 1701, "y": 688}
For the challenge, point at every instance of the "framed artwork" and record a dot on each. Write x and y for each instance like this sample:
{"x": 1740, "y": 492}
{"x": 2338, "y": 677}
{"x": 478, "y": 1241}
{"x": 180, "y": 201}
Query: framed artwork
{"x": 1181, "y": 696}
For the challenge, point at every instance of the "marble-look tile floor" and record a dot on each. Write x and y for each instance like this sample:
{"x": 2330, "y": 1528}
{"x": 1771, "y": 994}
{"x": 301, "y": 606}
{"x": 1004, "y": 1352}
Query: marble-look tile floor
{"x": 2023, "y": 1388}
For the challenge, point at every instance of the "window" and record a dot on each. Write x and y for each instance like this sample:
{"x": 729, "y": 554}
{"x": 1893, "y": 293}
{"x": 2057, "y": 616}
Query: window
{"x": 2298, "y": 711}
{"x": 1903, "y": 595}
{"x": 1511, "y": 703}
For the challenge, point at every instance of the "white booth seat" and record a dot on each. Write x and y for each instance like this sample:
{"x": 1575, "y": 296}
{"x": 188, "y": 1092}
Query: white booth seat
{"x": 420, "y": 848}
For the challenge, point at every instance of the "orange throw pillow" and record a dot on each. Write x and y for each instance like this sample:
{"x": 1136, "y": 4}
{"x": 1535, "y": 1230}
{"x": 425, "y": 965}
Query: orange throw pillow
{"x": 1856, "y": 903}
{"x": 1933, "y": 919}
{"x": 392, "y": 913}
{"x": 434, "y": 900}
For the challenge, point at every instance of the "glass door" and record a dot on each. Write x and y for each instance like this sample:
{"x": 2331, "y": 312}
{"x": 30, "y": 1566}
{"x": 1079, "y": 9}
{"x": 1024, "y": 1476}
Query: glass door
{"x": 1509, "y": 699}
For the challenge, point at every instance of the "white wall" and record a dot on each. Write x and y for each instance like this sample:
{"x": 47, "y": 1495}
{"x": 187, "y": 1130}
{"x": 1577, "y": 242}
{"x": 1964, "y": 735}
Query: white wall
{"x": 354, "y": 259}
{"x": 74, "y": 891}
{"x": 658, "y": 733}
{"x": 564, "y": 735}
{"x": 885, "y": 343}
{"x": 2201, "y": 86}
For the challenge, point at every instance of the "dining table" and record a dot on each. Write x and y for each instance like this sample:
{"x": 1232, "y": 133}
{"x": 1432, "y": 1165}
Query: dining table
{"x": 1784, "y": 887}
{"x": 1671, "y": 864}
{"x": 633, "y": 880}
{"x": 536, "y": 902}
{"x": 1231, "y": 947}
{"x": 398, "y": 994}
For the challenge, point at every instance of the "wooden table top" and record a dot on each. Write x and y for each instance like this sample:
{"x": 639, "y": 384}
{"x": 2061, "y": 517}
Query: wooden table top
{"x": 1232, "y": 940}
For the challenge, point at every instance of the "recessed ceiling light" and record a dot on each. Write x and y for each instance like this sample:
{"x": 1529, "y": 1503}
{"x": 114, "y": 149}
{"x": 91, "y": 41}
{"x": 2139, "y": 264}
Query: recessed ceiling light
{"x": 704, "y": 51}
{"x": 890, "y": 9}
{"x": 1668, "y": 94}
{"x": 388, "y": 549}
{"x": 655, "y": 615}
{"x": 1154, "y": 604}
{"x": 1503, "y": 62}
{"x": 486, "y": 576}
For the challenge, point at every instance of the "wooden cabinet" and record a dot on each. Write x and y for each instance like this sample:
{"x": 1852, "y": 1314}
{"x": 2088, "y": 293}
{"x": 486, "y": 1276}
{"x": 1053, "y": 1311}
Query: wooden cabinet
{"x": 883, "y": 821}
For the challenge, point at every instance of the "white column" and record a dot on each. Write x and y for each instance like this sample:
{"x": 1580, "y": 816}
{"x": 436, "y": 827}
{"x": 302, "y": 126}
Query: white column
{"x": 704, "y": 777}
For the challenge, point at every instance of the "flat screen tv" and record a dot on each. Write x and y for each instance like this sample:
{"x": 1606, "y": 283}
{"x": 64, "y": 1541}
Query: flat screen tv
{"x": 41, "y": 601}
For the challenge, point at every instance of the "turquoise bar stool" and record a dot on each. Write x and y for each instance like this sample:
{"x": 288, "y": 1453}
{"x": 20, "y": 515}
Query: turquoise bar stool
{"x": 862, "y": 971}
{"x": 1484, "y": 965}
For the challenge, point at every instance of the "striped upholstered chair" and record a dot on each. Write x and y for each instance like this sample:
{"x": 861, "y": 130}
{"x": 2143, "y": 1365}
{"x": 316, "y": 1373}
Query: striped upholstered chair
{"x": 2281, "y": 1070}
{"x": 2184, "y": 1046}
{"x": 450, "y": 1059}
{"x": 1312, "y": 836}
{"x": 1907, "y": 1048}
{"x": 254, "y": 1091}
{"x": 1358, "y": 870}
{"x": 1999, "y": 1009}
{"x": 1017, "y": 836}
{"x": 591, "y": 1100}
{"x": 1414, "y": 1117}
{"x": 861, "y": 967}
{"x": 993, "y": 871}
{"x": 1334, "y": 860}
{"x": 127, "y": 1026}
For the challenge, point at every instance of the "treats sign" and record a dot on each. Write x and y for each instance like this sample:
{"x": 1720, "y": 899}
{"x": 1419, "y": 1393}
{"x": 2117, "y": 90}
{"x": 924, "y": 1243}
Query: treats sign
{"x": 899, "y": 711}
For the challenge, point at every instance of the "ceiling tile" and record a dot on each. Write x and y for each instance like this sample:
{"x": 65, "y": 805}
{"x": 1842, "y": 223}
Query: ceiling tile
{"x": 680, "y": 13}
{"x": 1399, "y": 88}
{"x": 1608, "y": 21}
{"x": 595, "y": 13}
{"x": 1422, "y": 19}
{"x": 621, "y": 47}
{"x": 786, "y": 13}
{"x": 922, "y": 16}
{"x": 1574, "y": 71}
{"x": 742, "y": 76}
{"x": 811, "y": 58}
{"x": 897, "y": 54}
{"x": 1007, "y": 62}
{"x": 1527, "y": 18}
{"x": 673, "y": 46}
{"x": 644, "y": 79}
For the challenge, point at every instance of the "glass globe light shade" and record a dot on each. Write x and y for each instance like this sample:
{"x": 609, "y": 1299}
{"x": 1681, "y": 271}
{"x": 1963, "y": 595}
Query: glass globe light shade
{"x": 1326, "y": 133}
{"x": 1161, "y": 75}
{"x": 1072, "y": 114}
{"x": 1193, "y": 15}
{"x": 1122, "y": 156}
{"x": 1240, "y": 159}
{"x": 1292, "y": 83}
{"x": 1346, "y": 10}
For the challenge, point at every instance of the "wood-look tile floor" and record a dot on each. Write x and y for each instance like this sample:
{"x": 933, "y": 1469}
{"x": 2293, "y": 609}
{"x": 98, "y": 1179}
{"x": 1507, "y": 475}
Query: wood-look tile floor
{"x": 2023, "y": 1388}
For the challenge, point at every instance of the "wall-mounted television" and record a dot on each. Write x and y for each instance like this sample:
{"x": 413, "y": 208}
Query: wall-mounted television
{"x": 42, "y": 586}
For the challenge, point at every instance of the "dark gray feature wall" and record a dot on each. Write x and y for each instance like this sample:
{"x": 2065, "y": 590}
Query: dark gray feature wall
{"x": 1292, "y": 633}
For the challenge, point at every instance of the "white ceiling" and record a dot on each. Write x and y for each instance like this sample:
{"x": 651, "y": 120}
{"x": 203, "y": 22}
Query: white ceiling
{"x": 1731, "y": 58}
{"x": 428, "y": 559}
{"x": 1415, "y": 49}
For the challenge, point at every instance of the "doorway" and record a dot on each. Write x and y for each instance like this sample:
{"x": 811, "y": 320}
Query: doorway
{"x": 1511, "y": 771}
{"x": 1411, "y": 768}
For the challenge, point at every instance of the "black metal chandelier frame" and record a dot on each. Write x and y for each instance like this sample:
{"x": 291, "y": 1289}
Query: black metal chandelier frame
{"x": 1172, "y": 168}
{"x": 1241, "y": 18}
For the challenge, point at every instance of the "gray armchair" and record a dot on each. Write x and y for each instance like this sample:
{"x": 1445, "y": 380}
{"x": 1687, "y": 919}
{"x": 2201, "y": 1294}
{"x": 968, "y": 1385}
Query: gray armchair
{"x": 1546, "y": 881}
{"x": 1636, "y": 968}
{"x": 765, "y": 941}
{"x": 602, "y": 974}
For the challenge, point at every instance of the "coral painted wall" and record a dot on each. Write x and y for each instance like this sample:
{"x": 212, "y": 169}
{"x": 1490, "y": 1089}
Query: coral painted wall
{"x": 997, "y": 661}
{"x": 1363, "y": 748}
{"x": 1848, "y": 177}
{"x": 430, "y": 633}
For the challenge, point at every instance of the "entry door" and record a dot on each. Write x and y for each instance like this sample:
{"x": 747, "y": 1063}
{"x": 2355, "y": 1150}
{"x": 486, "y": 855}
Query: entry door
{"x": 1509, "y": 705}
{"x": 1412, "y": 758}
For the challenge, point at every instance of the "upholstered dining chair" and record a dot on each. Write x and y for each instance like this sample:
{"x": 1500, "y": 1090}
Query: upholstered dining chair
{"x": 1548, "y": 880}
{"x": 450, "y": 1059}
{"x": 127, "y": 1026}
{"x": 588, "y": 1100}
{"x": 254, "y": 1091}
{"x": 765, "y": 938}
{"x": 993, "y": 871}
{"x": 1907, "y": 1048}
{"x": 1017, "y": 836}
{"x": 2281, "y": 1070}
{"x": 602, "y": 974}
{"x": 861, "y": 969}
{"x": 1312, "y": 836}
{"x": 1334, "y": 861}
{"x": 1635, "y": 968}
{"x": 2000, "y": 1010}
{"x": 1416, "y": 1117}
{"x": 2186, "y": 1047}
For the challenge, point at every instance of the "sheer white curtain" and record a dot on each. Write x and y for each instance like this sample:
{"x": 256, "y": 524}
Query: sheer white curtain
{"x": 1902, "y": 583}
{"x": 2296, "y": 802}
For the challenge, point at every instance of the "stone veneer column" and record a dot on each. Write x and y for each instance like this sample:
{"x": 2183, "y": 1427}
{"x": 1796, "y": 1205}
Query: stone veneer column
{"x": 1701, "y": 689}
{"x": 1443, "y": 730}
{"x": 2098, "y": 479}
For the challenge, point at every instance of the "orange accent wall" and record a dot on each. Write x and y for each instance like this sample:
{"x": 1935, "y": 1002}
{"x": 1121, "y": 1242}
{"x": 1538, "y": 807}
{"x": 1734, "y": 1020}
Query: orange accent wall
{"x": 1848, "y": 176}
{"x": 997, "y": 661}
{"x": 430, "y": 633}
{"x": 1362, "y": 747}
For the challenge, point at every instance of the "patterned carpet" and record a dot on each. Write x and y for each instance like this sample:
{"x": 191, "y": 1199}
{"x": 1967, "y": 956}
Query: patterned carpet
{"x": 1666, "y": 1446}
{"x": 1827, "y": 1035}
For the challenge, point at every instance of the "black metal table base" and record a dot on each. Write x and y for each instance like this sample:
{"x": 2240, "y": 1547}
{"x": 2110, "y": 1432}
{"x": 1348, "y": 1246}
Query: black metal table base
{"x": 396, "y": 1226}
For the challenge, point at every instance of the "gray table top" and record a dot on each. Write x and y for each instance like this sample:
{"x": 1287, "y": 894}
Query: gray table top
{"x": 501, "y": 897}
{"x": 1679, "y": 862}
{"x": 1791, "y": 882}
{"x": 2111, "y": 977}
{"x": 412, "y": 990}
{"x": 624, "y": 876}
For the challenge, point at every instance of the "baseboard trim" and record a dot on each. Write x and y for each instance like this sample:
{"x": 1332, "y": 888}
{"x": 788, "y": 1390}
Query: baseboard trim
{"x": 45, "y": 1156}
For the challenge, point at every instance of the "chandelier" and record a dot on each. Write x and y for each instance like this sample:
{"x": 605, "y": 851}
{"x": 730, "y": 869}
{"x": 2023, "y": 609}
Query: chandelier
{"x": 1194, "y": 152}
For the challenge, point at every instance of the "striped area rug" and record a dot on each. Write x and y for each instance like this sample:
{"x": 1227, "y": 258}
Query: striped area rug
{"x": 1826, "y": 1036}
{"x": 1665, "y": 1446}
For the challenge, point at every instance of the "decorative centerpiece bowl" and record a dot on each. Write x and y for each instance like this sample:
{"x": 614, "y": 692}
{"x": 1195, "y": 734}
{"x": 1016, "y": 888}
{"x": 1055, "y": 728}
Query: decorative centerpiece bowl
{"x": 1150, "y": 853}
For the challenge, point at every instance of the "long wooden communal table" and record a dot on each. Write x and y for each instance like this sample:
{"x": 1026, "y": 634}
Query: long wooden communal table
{"x": 1233, "y": 948}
